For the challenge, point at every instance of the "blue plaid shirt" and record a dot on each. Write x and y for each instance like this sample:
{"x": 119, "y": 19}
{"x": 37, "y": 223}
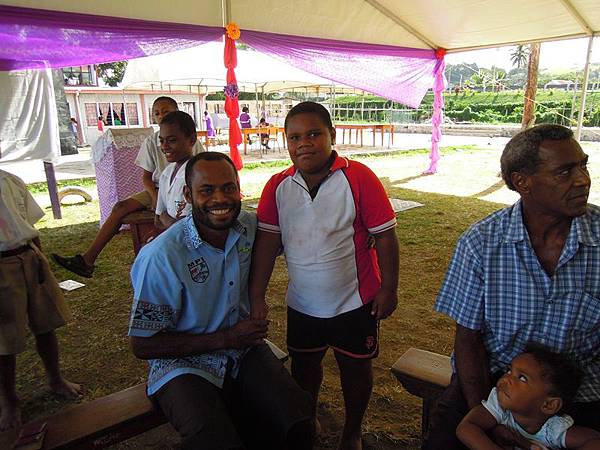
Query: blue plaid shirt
{"x": 496, "y": 284}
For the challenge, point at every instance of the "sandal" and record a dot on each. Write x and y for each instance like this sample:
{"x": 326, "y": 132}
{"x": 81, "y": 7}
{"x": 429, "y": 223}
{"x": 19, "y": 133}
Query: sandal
{"x": 75, "y": 264}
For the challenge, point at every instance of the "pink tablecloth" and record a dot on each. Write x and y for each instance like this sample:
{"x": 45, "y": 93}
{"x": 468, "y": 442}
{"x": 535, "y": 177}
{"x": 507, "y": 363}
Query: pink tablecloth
{"x": 117, "y": 176}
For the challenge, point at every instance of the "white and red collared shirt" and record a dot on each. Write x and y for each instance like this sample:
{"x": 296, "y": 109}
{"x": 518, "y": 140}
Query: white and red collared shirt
{"x": 331, "y": 269}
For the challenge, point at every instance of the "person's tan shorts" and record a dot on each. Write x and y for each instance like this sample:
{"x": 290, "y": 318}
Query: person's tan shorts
{"x": 23, "y": 299}
{"x": 143, "y": 198}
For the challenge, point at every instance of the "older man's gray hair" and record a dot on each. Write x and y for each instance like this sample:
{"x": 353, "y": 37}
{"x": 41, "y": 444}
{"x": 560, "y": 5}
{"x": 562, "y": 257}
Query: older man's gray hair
{"x": 521, "y": 153}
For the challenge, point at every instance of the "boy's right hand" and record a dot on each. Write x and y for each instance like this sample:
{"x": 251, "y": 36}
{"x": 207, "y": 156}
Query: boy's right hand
{"x": 259, "y": 310}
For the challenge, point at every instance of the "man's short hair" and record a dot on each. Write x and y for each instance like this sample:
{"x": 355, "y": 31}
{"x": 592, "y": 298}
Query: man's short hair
{"x": 521, "y": 153}
{"x": 183, "y": 120}
{"x": 558, "y": 370}
{"x": 311, "y": 108}
{"x": 206, "y": 156}
{"x": 164, "y": 98}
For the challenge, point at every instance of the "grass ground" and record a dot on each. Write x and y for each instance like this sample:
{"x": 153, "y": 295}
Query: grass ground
{"x": 95, "y": 349}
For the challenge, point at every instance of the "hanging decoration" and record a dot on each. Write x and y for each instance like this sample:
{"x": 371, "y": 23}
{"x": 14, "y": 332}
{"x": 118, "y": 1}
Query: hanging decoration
{"x": 439, "y": 85}
{"x": 232, "y": 108}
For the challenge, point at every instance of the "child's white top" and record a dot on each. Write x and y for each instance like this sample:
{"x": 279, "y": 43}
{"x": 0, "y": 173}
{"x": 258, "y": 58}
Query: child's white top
{"x": 170, "y": 194}
{"x": 552, "y": 434}
{"x": 18, "y": 213}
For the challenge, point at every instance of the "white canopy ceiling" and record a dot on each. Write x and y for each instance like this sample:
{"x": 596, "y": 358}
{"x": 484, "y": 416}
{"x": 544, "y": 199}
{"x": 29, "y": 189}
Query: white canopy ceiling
{"x": 196, "y": 67}
{"x": 456, "y": 25}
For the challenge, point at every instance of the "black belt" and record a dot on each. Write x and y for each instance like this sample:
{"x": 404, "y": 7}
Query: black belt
{"x": 15, "y": 251}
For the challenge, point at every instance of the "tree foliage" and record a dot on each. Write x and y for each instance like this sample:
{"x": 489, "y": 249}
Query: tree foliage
{"x": 112, "y": 73}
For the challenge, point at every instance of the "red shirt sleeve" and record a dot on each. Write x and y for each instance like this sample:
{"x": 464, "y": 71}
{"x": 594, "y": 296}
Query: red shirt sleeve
{"x": 374, "y": 206}
{"x": 267, "y": 213}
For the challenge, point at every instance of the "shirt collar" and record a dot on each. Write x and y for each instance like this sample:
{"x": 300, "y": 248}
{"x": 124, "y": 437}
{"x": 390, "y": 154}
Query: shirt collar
{"x": 338, "y": 163}
{"x": 193, "y": 239}
{"x": 581, "y": 232}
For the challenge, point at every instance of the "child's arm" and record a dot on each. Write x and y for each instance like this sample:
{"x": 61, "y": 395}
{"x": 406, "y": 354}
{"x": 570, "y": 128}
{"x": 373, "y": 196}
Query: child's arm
{"x": 386, "y": 299}
{"x": 472, "y": 429}
{"x": 150, "y": 187}
{"x": 582, "y": 438}
{"x": 265, "y": 250}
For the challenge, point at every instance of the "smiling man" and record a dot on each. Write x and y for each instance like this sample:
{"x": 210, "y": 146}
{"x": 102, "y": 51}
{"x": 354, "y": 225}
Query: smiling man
{"x": 527, "y": 273}
{"x": 211, "y": 372}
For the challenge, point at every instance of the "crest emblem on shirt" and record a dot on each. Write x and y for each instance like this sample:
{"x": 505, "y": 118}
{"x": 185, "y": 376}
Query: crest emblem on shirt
{"x": 198, "y": 270}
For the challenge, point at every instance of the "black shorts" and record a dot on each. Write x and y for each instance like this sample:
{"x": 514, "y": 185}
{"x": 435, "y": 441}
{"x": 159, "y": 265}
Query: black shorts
{"x": 354, "y": 333}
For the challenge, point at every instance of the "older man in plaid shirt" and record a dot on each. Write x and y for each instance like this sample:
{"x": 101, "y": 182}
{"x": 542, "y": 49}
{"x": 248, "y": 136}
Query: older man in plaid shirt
{"x": 527, "y": 273}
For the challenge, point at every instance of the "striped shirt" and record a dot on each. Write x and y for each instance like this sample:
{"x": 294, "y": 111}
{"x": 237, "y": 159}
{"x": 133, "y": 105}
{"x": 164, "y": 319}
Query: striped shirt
{"x": 496, "y": 284}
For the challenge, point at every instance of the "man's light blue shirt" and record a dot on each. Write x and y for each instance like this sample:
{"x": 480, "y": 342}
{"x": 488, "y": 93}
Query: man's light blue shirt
{"x": 183, "y": 284}
{"x": 496, "y": 284}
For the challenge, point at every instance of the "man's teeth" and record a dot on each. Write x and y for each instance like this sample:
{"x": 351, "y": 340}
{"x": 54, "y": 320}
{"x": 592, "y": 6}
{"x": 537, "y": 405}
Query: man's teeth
{"x": 220, "y": 212}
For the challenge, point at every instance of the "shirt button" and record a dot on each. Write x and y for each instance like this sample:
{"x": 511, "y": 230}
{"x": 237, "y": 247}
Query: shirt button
{"x": 231, "y": 283}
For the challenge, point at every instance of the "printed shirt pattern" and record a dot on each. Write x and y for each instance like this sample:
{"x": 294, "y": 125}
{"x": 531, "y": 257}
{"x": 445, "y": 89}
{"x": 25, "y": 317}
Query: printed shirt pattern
{"x": 496, "y": 284}
{"x": 182, "y": 284}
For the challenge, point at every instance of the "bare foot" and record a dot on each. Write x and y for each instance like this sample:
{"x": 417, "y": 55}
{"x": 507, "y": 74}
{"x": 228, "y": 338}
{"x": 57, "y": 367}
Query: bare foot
{"x": 350, "y": 443}
{"x": 65, "y": 388}
{"x": 10, "y": 417}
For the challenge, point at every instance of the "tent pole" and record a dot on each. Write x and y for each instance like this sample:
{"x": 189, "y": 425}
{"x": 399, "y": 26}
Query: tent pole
{"x": 226, "y": 11}
{"x": 256, "y": 98}
{"x": 264, "y": 107}
{"x": 586, "y": 75}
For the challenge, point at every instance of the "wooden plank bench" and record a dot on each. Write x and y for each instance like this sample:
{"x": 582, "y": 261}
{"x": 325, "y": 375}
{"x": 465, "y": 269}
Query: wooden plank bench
{"x": 426, "y": 375}
{"x": 105, "y": 421}
{"x": 142, "y": 227}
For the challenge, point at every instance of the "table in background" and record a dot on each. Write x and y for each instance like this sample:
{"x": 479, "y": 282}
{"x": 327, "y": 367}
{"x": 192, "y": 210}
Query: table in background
{"x": 248, "y": 131}
{"x": 381, "y": 127}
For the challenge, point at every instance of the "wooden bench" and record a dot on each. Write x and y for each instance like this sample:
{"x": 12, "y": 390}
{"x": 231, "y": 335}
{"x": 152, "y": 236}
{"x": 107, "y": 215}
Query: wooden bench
{"x": 104, "y": 421}
{"x": 426, "y": 375}
{"x": 141, "y": 224}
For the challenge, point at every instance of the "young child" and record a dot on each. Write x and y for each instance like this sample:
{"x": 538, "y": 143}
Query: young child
{"x": 264, "y": 137}
{"x": 529, "y": 399}
{"x": 322, "y": 211}
{"x": 29, "y": 294}
{"x": 177, "y": 138}
{"x": 152, "y": 160}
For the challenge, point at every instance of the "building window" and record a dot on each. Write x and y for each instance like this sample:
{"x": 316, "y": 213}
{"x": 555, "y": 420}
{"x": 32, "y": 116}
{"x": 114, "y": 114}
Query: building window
{"x": 113, "y": 114}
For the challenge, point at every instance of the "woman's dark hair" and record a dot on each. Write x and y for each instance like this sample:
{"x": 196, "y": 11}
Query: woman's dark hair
{"x": 206, "y": 156}
{"x": 310, "y": 108}
{"x": 245, "y": 109}
{"x": 183, "y": 120}
{"x": 558, "y": 370}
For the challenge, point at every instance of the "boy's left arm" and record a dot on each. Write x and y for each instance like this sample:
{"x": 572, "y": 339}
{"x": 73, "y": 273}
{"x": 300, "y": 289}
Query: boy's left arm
{"x": 387, "y": 249}
{"x": 582, "y": 438}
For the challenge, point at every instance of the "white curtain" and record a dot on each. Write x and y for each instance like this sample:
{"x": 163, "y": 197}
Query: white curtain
{"x": 28, "y": 118}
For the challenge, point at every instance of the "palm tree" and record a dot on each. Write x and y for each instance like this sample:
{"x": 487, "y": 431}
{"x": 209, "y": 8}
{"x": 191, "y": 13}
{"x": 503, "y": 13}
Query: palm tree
{"x": 531, "y": 88}
{"x": 519, "y": 56}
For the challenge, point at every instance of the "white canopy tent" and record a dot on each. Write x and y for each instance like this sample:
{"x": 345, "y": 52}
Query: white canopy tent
{"x": 199, "y": 66}
{"x": 456, "y": 25}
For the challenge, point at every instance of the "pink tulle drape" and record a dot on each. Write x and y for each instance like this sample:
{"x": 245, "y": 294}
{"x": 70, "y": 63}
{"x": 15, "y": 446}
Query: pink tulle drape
{"x": 438, "y": 110}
